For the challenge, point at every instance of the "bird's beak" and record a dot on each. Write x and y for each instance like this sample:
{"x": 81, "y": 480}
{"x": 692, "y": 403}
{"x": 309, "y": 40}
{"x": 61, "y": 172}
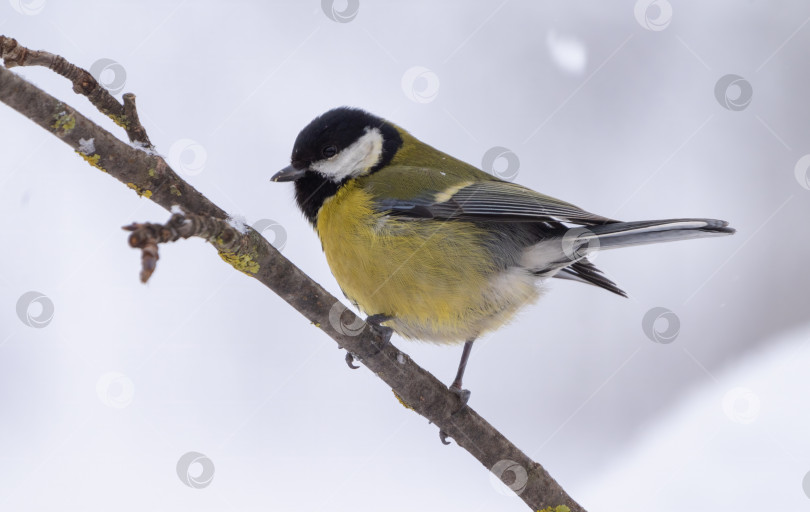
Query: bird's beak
{"x": 289, "y": 173}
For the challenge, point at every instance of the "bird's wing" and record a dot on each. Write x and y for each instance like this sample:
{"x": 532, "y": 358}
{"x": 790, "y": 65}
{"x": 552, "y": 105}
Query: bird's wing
{"x": 484, "y": 201}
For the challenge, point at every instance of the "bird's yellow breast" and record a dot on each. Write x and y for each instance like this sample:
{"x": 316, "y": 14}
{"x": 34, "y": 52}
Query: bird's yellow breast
{"x": 435, "y": 278}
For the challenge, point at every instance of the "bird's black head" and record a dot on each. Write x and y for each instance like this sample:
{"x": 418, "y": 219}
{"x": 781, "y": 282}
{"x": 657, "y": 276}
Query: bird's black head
{"x": 335, "y": 147}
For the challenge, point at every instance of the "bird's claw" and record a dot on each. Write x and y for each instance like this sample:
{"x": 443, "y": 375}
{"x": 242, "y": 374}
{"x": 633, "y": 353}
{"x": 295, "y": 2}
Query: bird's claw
{"x": 350, "y": 361}
{"x": 443, "y": 437}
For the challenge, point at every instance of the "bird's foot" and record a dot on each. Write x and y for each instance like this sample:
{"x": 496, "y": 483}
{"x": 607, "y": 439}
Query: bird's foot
{"x": 463, "y": 397}
{"x": 350, "y": 360}
{"x": 383, "y": 333}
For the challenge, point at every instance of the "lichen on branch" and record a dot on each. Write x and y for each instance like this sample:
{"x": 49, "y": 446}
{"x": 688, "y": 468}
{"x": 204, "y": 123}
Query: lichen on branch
{"x": 124, "y": 115}
{"x": 233, "y": 243}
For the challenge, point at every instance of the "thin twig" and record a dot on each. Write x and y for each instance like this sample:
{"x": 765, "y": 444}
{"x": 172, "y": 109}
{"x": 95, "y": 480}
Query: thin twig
{"x": 124, "y": 115}
{"x": 233, "y": 244}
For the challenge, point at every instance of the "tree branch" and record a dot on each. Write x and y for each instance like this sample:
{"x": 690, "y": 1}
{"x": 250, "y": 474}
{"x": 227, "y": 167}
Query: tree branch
{"x": 246, "y": 250}
{"x": 84, "y": 83}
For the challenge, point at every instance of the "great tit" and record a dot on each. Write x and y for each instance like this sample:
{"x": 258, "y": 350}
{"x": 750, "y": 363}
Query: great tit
{"x": 435, "y": 248}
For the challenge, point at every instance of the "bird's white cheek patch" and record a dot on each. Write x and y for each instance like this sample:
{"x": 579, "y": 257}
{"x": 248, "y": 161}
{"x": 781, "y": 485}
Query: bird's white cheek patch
{"x": 355, "y": 159}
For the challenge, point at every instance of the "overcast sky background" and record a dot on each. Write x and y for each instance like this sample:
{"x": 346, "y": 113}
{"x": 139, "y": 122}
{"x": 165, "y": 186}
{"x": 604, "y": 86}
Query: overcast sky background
{"x": 614, "y": 106}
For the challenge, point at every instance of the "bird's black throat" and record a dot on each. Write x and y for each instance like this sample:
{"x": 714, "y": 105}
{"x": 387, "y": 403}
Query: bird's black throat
{"x": 311, "y": 190}
{"x": 341, "y": 127}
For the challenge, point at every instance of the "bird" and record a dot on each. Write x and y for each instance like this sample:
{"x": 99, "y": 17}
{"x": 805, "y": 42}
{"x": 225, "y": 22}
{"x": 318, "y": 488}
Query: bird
{"x": 436, "y": 249}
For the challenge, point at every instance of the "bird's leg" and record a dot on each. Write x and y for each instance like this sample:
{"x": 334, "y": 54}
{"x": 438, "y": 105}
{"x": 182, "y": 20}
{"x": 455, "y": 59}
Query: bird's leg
{"x": 375, "y": 321}
{"x": 455, "y": 387}
{"x": 378, "y": 319}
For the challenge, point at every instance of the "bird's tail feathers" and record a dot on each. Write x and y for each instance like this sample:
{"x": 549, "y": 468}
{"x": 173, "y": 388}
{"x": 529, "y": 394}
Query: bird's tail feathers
{"x": 625, "y": 234}
{"x": 566, "y": 256}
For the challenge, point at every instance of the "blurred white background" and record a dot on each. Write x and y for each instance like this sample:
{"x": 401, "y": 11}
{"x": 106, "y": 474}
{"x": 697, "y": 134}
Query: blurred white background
{"x": 613, "y": 106}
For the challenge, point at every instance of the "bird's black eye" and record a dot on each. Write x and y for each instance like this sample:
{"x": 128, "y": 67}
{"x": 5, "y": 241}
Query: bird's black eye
{"x": 329, "y": 151}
